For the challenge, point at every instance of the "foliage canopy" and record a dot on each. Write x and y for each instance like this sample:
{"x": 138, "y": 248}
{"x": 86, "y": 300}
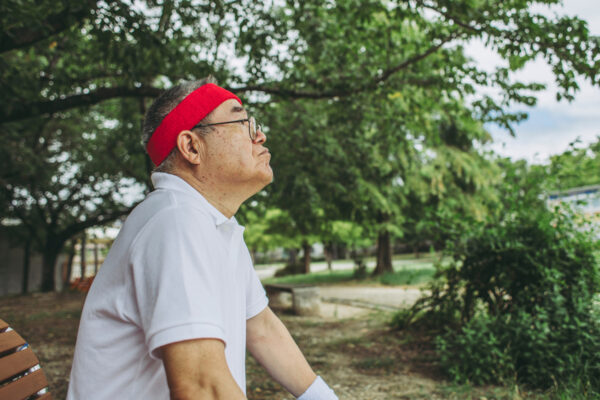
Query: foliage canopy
{"x": 378, "y": 109}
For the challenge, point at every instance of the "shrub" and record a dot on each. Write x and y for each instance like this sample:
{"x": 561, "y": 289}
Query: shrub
{"x": 538, "y": 350}
{"x": 517, "y": 303}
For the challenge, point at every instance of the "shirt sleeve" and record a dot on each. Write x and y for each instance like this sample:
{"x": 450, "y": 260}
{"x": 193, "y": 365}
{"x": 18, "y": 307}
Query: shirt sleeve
{"x": 176, "y": 280}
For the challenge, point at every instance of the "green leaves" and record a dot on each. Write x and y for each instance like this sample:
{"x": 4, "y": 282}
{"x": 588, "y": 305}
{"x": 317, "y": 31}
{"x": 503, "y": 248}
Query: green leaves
{"x": 566, "y": 170}
{"x": 517, "y": 302}
{"x": 373, "y": 107}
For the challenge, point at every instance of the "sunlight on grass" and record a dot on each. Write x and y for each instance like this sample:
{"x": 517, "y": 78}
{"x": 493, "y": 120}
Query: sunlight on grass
{"x": 408, "y": 276}
{"x": 322, "y": 277}
{"x": 404, "y": 275}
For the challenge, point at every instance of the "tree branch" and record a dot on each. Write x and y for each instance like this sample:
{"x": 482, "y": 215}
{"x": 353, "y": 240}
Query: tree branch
{"x": 165, "y": 18}
{"x": 416, "y": 58}
{"x": 38, "y": 30}
{"x": 21, "y": 111}
{"x": 17, "y": 111}
{"x": 100, "y": 219}
{"x": 61, "y": 204}
{"x": 450, "y": 17}
{"x": 25, "y": 221}
{"x": 369, "y": 85}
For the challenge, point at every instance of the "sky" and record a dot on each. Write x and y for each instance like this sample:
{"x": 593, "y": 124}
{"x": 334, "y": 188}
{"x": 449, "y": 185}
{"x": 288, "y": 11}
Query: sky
{"x": 551, "y": 125}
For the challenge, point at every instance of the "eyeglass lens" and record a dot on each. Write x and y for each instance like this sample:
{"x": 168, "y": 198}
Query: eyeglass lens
{"x": 252, "y": 129}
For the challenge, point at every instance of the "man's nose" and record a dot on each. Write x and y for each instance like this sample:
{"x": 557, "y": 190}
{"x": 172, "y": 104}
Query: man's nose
{"x": 260, "y": 136}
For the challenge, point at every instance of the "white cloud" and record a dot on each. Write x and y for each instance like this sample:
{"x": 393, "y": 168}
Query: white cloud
{"x": 545, "y": 133}
{"x": 552, "y": 125}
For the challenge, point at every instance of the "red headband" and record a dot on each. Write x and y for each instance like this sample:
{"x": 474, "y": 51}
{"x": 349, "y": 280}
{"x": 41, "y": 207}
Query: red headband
{"x": 186, "y": 115}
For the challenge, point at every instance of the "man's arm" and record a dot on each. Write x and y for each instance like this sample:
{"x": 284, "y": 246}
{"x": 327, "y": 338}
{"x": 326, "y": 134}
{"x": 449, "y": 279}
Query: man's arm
{"x": 271, "y": 344}
{"x": 197, "y": 369}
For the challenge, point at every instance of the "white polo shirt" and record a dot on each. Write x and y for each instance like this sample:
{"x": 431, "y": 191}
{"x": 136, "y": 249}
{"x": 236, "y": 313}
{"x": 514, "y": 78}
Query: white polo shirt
{"x": 178, "y": 270}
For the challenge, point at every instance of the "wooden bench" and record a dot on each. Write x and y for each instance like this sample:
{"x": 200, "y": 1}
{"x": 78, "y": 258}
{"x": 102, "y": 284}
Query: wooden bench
{"x": 20, "y": 374}
{"x": 305, "y": 298}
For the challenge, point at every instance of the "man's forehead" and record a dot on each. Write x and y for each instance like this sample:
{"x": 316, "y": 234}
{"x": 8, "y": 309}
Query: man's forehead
{"x": 238, "y": 109}
{"x": 231, "y": 107}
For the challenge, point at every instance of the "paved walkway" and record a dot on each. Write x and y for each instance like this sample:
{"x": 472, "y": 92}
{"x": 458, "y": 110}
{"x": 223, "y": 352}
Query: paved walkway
{"x": 345, "y": 301}
{"x": 349, "y": 301}
{"x": 385, "y": 298}
{"x": 268, "y": 271}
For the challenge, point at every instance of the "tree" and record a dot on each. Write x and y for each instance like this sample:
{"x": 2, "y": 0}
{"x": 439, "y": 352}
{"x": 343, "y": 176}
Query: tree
{"x": 309, "y": 166}
{"x": 74, "y": 81}
{"x": 267, "y": 229}
{"x": 65, "y": 178}
{"x": 399, "y": 77}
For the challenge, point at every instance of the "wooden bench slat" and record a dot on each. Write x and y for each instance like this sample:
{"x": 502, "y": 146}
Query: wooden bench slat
{"x": 17, "y": 363}
{"x": 3, "y": 325}
{"x": 45, "y": 396}
{"x": 24, "y": 387}
{"x": 10, "y": 340}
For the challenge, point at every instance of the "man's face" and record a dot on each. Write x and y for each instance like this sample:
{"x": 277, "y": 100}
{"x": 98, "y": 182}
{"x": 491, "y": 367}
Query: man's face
{"x": 232, "y": 157}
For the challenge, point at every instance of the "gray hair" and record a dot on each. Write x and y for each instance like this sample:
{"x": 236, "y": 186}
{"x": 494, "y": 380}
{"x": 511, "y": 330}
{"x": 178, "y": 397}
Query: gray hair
{"x": 163, "y": 105}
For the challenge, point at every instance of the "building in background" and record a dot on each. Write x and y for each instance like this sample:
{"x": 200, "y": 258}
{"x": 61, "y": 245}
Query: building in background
{"x": 585, "y": 199}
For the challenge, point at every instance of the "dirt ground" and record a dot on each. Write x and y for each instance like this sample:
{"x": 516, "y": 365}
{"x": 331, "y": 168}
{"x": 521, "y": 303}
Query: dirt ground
{"x": 358, "y": 355}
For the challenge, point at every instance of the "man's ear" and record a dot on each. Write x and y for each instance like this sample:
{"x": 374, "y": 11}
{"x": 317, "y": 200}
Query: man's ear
{"x": 190, "y": 146}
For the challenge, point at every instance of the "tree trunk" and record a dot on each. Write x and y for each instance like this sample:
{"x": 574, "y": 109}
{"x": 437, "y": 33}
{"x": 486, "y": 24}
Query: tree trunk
{"x": 48, "y": 266}
{"x": 343, "y": 252}
{"x": 416, "y": 250}
{"x": 70, "y": 264}
{"x": 328, "y": 250}
{"x": 293, "y": 256}
{"x": 95, "y": 257}
{"x": 384, "y": 253}
{"x": 82, "y": 264}
{"x": 26, "y": 263}
{"x": 335, "y": 250}
{"x": 307, "y": 249}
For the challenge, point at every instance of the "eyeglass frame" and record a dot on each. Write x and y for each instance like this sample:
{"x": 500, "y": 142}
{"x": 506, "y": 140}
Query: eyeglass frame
{"x": 251, "y": 122}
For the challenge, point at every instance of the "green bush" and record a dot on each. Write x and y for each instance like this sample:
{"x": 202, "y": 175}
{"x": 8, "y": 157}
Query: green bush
{"x": 517, "y": 303}
{"x": 538, "y": 350}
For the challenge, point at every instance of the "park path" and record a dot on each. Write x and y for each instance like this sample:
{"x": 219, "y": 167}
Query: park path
{"x": 268, "y": 271}
{"x": 377, "y": 297}
{"x": 342, "y": 301}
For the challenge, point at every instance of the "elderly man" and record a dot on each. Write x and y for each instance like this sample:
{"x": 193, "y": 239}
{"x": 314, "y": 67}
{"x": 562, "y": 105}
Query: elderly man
{"x": 177, "y": 300}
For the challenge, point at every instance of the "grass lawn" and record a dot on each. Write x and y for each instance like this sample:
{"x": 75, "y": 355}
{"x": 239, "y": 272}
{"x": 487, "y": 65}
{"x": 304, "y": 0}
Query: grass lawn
{"x": 407, "y": 271}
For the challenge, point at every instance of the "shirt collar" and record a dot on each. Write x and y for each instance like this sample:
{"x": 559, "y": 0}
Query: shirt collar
{"x": 162, "y": 180}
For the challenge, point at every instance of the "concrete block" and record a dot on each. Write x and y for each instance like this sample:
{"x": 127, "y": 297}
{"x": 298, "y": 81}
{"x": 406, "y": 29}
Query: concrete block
{"x": 306, "y": 301}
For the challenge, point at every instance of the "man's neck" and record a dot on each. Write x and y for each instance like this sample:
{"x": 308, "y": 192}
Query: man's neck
{"x": 224, "y": 199}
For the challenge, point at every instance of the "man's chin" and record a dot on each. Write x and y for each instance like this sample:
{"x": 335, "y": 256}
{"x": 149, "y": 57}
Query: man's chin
{"x": 268, "y": 177}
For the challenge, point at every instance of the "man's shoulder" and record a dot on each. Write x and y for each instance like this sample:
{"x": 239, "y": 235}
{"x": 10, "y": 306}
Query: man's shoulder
{"x": 163, "y": 211}
{"x": 165, "y": 203}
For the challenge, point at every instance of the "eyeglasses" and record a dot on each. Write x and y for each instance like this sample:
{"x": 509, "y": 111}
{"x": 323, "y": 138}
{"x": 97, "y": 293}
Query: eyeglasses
{"x": 253, "y": 128}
